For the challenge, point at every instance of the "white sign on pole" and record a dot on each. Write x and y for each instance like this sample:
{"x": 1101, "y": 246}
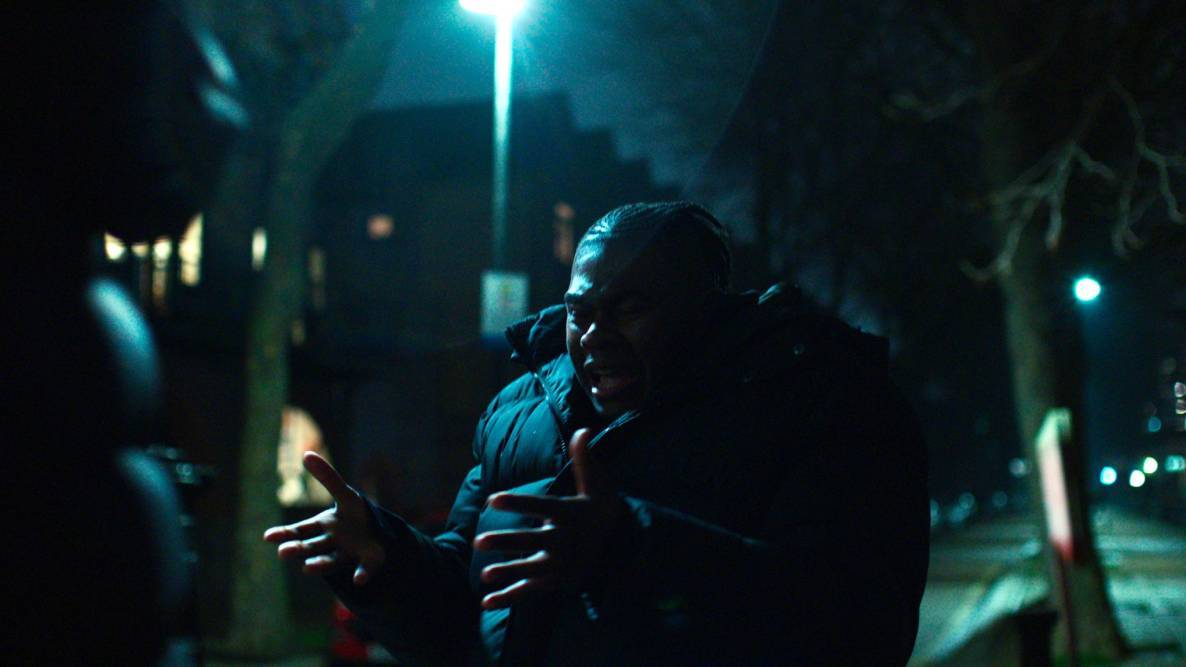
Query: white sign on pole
{"x": 504, "y": 301}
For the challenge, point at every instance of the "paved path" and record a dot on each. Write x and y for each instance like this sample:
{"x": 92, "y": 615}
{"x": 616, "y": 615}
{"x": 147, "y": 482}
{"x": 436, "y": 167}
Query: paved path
{"x": 991, "y": 569}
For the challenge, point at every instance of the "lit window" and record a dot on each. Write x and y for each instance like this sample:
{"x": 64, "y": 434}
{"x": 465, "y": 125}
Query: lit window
{"x": 259, "y": 248}
{"x": 299, "y": 434}
{"x": 298, "y": 332}
{"x": 563, "y": 236}
{"x": 317, "y": 278}
{"x": 116, "y": 249}
{"x": 189, "y": 252}
{"x": 140, "y": 250}
{"x": 563, "y": 211}
{"x": 380, "y": 226}
{"x": 162, "y": 250}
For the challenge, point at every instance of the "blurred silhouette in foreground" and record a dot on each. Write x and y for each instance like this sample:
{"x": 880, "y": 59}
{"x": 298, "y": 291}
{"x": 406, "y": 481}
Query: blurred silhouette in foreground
{"x": 117, "y": 118}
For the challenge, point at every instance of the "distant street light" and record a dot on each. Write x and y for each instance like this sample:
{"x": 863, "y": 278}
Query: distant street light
{"x": 1108, "y": 476}
{"x": 1149, "y": 465}
{"x": 1087, "y": 289}
{"x": 504, "y": 12}
{"x": 1136, "y": 479}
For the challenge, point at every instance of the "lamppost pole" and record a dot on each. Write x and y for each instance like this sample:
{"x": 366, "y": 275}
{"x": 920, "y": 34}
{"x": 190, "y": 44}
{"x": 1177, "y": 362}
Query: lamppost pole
{"x": 502, "y": 126}
{"x": 503, "y": 12}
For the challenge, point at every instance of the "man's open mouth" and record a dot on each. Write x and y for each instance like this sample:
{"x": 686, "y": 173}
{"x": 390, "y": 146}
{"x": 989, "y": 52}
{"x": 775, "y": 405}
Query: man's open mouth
{"x": 609, "y": 384}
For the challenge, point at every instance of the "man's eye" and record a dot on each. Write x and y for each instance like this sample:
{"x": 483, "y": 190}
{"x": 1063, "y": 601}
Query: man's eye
{"x": 631, "y": 307}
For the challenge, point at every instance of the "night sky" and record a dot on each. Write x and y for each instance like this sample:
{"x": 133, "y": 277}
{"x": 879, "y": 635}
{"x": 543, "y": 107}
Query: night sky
{"x": 445, "y": 53}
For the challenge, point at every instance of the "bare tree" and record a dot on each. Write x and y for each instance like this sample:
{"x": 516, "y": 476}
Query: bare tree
{"x": 308, "y": 72}
{"x": 1009, "y": 121}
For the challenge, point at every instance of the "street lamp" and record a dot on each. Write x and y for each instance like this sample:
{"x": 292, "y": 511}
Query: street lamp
{"x": 1087, "y": 289}
{"x": 504, "y": 12}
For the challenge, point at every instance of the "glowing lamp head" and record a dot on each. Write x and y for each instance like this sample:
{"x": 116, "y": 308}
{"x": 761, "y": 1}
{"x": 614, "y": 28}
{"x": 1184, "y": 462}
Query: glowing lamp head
{"x": 1087, "y": 289}
{"x": 1108, "y": 476}
{"x": 1136, "y": 479}
{"x": 502, "y": 8}
{"x": 1149, "y": 465}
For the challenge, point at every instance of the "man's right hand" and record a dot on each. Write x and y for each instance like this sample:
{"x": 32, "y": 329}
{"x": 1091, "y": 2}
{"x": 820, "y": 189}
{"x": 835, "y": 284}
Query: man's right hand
{"x": 338, "y": 537}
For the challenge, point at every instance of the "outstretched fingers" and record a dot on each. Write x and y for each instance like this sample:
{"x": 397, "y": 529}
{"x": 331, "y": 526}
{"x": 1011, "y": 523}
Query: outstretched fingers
{"x": 369, "y": 563}
{"x": 560, "y": 510}
{"x": 321, "y": 544}
{"x": 310, "y": 527}
{"x": 328, "y": 476}
{"x": 538, "y": 564}
{"x": 517, "y": 541}
{"x": 518, "y": 592}
{"x": 322, "y": 564}
{"x": 586, "y": 473}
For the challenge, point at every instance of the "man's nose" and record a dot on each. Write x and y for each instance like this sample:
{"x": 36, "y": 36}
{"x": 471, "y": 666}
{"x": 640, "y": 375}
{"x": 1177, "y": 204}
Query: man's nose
{"x": 594, "y": 336}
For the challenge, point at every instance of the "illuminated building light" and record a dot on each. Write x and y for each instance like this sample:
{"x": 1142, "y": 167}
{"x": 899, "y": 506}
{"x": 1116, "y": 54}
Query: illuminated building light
{"x": 494, "y": 7}
{"x": 1136, "y": 479}
{"x": 115, "y": 249}
{"x": 140, "y": 250}
{"x": 189, "y": 252}
{"x": 162, "y": 250}
{"x": 1180, "y": 389}
{"x": 1087, "y": 289}
{"x": 298, "y": 332}
{"x": 1153, "y": 425}
{"x": 1108, "y": 476}
{"x": 1018, "y": 467}
{"x": 380, "y": 226}
{"x": 1180, "y": 406}
{"x": 259, "y": 248}
{"x": 1175, "y": 463}
{"x": 1149, "y": 465}
{"x": 299, "y": 434}
{"x": 317, "y": 278}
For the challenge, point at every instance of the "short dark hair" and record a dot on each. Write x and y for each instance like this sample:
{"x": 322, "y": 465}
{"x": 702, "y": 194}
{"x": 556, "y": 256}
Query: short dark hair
{"x": 658, "y": 219}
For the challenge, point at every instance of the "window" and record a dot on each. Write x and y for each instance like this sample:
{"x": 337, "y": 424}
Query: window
{"x": 259, "y": 248}
{"x": 317, "y": 278}
{"x": 162, "y": 250}
{"x": 116, "y": 250}
{"x": 380, "y": 226}
{"x": 299, "y": 434}
{"x": 563, "y": 235}
{"x": 189, "y": 252}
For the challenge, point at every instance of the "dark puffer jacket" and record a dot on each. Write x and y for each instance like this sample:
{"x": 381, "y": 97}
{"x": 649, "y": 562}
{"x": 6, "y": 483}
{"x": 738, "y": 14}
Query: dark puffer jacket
{"x": 778, "y": 510}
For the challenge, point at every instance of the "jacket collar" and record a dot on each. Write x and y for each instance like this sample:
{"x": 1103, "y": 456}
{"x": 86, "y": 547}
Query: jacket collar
{"x": 751, "y": 336}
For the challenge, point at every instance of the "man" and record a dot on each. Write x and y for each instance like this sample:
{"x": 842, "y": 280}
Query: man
{"x": 684, "y": 476}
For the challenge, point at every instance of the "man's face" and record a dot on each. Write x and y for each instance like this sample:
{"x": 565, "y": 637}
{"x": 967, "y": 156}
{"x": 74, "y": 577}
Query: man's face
{"x": 631, "y": 307}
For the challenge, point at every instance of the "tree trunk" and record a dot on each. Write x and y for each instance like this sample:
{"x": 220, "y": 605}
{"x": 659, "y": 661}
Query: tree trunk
{"x": 260, "y": 620}
{"x": 1045, "y": 343}
{"x": 1044, "y": 334}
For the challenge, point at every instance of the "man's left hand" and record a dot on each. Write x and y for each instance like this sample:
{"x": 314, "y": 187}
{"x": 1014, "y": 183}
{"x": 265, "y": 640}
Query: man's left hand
{"x": 564, "y": 551}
